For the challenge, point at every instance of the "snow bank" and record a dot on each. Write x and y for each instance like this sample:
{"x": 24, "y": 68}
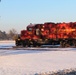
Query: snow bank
{"x": 60, "y": 72}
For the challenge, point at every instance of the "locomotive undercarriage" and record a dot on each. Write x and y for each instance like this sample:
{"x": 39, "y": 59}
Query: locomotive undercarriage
{"x": 68, "y": 43}
{"x": 38, "y": 43}
{"x": 27, "y": 43}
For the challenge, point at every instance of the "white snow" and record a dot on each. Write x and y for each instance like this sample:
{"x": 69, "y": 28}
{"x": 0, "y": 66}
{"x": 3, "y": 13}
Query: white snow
{"x": 30, "y": 62}
{"x": 7, "y": 44}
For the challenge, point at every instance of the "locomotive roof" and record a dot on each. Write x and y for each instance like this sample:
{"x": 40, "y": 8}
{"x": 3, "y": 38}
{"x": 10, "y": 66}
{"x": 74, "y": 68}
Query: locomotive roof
{"x": 31, "y": 25}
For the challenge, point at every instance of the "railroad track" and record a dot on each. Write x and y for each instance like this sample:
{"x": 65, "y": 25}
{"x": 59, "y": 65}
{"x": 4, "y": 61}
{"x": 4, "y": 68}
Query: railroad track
{"x": 57, "y": 48}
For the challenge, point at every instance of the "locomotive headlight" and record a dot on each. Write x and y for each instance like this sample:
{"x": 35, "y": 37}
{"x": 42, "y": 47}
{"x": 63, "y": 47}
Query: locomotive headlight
{"x": 42, "y": 29}
{"x": 18, "y": 39}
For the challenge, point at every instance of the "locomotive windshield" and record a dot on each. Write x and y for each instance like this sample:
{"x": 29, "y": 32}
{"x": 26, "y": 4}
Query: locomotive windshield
{"x": 29, "y": 29}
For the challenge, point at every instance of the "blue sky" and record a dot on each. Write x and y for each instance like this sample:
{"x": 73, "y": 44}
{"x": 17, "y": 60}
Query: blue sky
{"x": 18, "y": 14}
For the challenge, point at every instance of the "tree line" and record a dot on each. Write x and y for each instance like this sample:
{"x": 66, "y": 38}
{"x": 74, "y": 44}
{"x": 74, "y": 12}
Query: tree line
{"x": 11, "y": 35}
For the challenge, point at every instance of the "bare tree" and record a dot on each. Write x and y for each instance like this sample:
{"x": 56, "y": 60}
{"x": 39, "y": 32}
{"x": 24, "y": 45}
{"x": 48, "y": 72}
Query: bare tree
{"x": 12, "y": 34}
{"x": 3, "y": 35}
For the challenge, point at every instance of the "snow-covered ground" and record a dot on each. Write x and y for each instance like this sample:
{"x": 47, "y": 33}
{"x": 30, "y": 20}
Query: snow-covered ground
{"x": 30, "y": 62}
{"x": 7, "y": 44}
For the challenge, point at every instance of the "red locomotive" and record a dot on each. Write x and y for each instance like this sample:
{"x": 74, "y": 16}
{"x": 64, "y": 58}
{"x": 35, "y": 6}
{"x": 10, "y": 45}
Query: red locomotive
{"x": 48, "y": 34}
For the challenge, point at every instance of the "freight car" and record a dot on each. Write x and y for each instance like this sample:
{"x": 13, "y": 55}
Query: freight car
{"x": 48, "y": 34}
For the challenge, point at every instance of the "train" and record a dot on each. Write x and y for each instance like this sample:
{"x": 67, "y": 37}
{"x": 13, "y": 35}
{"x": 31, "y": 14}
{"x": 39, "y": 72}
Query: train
{"x": 49, "y": 33}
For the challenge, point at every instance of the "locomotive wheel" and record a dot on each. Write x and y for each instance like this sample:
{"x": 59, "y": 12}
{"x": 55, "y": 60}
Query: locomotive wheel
{"x": 74, "y": 43}
{"x": 67, "y": 45}
{"x": 23, "y": 44}
{"x": 62, "y": 43}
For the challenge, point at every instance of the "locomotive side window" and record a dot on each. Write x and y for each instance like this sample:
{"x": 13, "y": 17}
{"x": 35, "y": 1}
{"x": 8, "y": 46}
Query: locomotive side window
{"x": 29, "y": 29}
{"x": 37, "y": 32}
